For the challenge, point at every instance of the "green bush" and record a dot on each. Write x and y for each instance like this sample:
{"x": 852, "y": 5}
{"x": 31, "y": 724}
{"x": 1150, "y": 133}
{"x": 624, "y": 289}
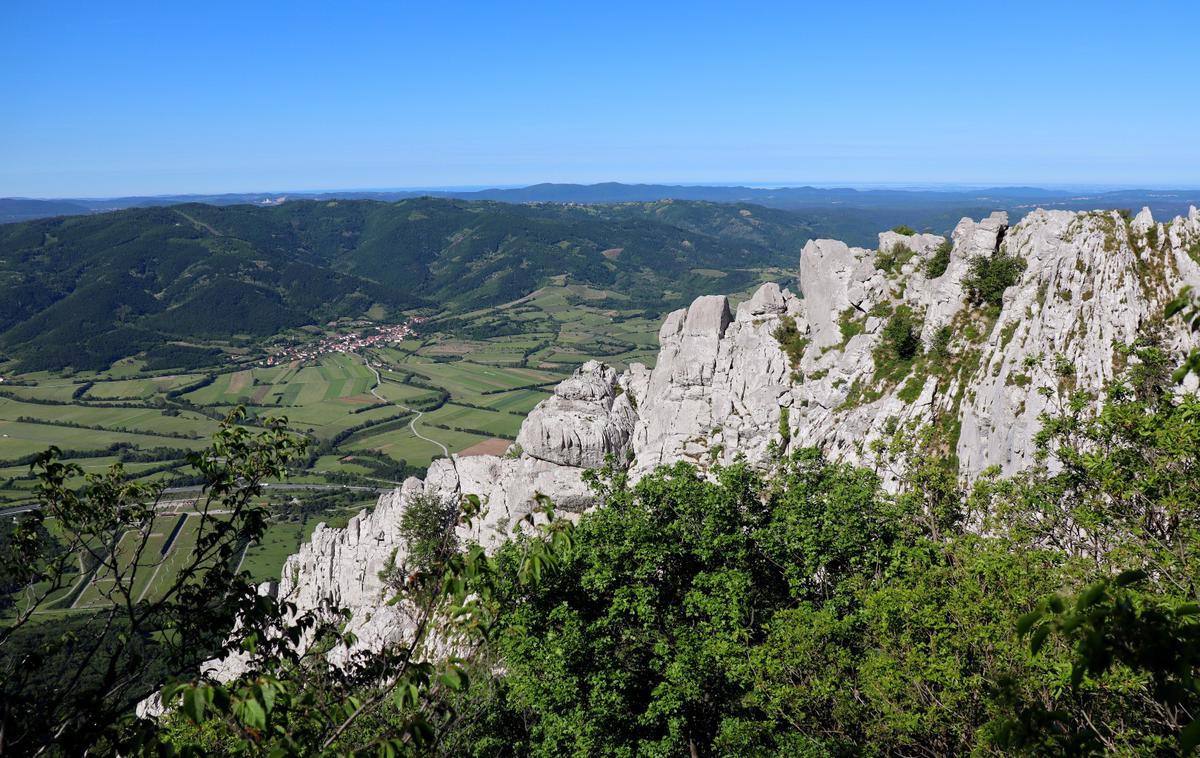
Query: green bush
{"x": 850, "y": 324}
{"x": 791, "y": 341}
{"x": 893, "y": 258}
{"x": 939, "y": 261}
{"x": 902, "y": 334}
{"x": 905, "y": 230}
{"x": 989, "y": 276}
{"x": 427, "y": 528}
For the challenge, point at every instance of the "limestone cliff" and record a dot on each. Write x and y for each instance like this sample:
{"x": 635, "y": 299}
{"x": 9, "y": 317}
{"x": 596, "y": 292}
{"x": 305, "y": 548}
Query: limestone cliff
{"x": 724, "y": 386}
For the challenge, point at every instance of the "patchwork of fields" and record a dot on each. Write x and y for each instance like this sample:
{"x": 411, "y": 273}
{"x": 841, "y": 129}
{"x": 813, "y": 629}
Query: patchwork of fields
{"x": 470, "y": 379}
{"x": 372, "y": 418}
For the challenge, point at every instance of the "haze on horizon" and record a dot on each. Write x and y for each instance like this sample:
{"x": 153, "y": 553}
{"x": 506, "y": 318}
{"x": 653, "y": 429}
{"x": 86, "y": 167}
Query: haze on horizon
{"x": 147, "y": 99}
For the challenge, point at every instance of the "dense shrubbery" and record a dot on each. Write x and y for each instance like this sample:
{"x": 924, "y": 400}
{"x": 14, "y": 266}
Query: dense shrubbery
{"x": 804, "y": 610}
{"x": 902, "y": 335}
{"x": 893, "y": 258}
{"x": 181, "y": 357}
{"x": 427, "y": 528}
{"x": 939, "y": 261}
{"x": 989, "y": 276}
{"x": 812, "y": 613}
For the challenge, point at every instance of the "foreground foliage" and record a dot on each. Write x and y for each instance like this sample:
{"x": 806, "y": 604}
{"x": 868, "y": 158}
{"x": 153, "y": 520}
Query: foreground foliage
{"x": 804, "y": 610}
{"x": 72, "y": 686}
{"x": 809, "y": 612}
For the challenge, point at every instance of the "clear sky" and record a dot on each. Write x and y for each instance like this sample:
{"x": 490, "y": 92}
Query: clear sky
{"x": 108, "y": 97}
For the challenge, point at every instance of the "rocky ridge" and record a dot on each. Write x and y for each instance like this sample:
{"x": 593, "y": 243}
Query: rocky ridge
{"x": 724, "y": 385}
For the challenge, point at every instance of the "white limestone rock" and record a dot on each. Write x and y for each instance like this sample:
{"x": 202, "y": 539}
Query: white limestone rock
{"x": 921, "y": 244}
{"x": 826, "y": 271}
{"x": 587, "y": 419}
{"x": 713, "y": 387}
{"x": 1083, "y": 290}
{"x": 941, "y": 298}
{"x": 722, "y": 386}
{"x": 1143, "y": 221}
{"x": 767, "y": 300}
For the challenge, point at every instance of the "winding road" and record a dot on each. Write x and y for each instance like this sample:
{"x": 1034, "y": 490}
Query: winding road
{"x": 412, "y": 424}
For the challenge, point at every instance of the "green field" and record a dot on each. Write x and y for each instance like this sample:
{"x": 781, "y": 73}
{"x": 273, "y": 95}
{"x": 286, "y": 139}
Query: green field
{"x": 470, "y": 386}
{"x": 494, "y": 423}
{"x": 138, "y": 388}
{"x": 160, "y": 562}
{"x": 403, "y": 445}
{"x": 19, "y": 439}
{"x": 264, "y": 561}
{"x": 141, "y": 420}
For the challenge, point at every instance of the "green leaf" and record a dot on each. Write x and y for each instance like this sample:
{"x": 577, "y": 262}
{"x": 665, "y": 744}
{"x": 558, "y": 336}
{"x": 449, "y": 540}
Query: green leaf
{"x": 193, "y": 705}
{"x": 1091, "y": 595}
{"x": 422, "y": 731}
{"x": 1026, "y": 622}
{"x": 1038, "y": 639}
{"x": 453, "y": 679}
{"x": 1126, "y": 578}
{"x": 1189, "y": 738}
{"x": 406, "y": 695}
{"x": 253, "y": 715}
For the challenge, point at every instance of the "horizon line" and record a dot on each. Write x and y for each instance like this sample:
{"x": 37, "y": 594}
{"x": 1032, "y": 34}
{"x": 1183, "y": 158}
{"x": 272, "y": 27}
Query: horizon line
{"x": 926, "y": 186}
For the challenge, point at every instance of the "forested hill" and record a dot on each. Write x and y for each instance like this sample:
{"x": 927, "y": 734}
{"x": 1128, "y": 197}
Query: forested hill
{"x": 84, "y": 291}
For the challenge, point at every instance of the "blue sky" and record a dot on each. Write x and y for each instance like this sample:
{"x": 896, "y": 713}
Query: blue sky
{"x": 110, "y": 98}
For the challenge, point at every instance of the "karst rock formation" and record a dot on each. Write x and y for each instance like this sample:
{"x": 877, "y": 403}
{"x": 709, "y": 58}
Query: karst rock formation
{"x": 723, "y": 386}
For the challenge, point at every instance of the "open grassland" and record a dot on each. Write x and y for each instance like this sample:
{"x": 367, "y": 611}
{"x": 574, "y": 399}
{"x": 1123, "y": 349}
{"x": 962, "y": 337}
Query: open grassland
{"x": 496, "y": 423}
{"x": 338, "y": 378}
{"x": 402, "y": 444}
{"x": 139, "y": 420}
{"x": 159, "y": 555}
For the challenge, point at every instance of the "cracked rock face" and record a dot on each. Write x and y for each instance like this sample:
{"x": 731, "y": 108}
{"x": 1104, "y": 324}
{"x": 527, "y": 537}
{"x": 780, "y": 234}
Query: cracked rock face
{"x": 723, "y": 386}
{"x": 587, "y": 419}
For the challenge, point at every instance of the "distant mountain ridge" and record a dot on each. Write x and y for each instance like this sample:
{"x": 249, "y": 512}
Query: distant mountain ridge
{"x": 1015, "y": 200}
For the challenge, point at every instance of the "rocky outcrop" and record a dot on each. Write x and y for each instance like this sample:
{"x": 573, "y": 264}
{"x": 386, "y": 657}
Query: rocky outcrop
{"x": 1090, "y": 281}
{"x": 586, "y": 420}
{"x": 724, "y": 387}
{"x": 942, "y": 297}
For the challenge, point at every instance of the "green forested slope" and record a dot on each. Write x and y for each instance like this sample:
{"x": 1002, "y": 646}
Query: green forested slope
{"x": 87, "y": 290}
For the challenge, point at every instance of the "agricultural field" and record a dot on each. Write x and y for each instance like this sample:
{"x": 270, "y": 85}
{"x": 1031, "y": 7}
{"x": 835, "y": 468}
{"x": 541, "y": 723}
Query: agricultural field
{"x": 172, "y": 537}
{"x": 373, "y": 417}
{"x": 289, "y": 529}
